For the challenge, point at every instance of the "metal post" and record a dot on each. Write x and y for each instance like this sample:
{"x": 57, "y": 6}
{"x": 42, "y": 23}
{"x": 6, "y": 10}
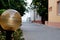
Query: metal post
{"x": 34, "y": 15}
{"x": 8, "y": 35}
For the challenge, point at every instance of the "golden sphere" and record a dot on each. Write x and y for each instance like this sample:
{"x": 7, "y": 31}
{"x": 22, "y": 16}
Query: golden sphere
{"x": 11, "y": 20}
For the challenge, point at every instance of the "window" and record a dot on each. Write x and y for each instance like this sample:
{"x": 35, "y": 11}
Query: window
{"x": 58, "y": 6}
{"x": 50, "y": 9}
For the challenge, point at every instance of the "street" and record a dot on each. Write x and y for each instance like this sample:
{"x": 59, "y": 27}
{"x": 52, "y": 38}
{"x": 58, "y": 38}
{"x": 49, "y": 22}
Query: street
{"x": 33, "y": 31}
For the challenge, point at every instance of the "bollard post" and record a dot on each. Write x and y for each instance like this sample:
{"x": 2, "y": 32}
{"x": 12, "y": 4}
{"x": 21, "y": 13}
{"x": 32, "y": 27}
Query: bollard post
{"x": 9, "y": 35}
{"x": 10, "y": 21}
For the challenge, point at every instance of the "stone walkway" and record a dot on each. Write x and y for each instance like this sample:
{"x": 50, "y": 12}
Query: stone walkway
{"x": 32, "y": 31}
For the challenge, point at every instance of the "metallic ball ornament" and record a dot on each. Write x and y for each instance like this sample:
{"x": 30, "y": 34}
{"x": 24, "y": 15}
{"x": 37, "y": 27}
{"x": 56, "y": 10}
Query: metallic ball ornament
{"x": 11, "y": 20}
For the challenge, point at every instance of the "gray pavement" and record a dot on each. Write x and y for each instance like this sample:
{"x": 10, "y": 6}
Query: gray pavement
{"x": 32, "y": 31}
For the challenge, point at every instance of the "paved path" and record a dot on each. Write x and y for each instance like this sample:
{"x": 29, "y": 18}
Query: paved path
{"x": 32, "y": 31}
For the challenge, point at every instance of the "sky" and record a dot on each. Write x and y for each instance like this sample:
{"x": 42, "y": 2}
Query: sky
{"x": 29, "y": 2}
{"x": 25, "y": 17}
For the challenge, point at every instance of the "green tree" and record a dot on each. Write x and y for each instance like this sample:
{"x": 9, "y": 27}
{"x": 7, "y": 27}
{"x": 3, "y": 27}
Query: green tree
{"x": 42, "y": 9}
{"x": 18, "y": 5}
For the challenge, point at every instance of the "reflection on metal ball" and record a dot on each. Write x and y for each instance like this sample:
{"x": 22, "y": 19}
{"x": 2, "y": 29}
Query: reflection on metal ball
{"x": 11, "y": 20}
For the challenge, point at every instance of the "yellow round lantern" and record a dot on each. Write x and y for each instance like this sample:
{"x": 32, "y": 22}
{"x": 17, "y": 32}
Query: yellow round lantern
{"x": 11, "y": 20}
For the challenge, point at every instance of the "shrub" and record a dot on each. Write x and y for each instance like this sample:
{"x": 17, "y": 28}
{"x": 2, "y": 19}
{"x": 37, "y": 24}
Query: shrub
{"x": 1, "y": 11}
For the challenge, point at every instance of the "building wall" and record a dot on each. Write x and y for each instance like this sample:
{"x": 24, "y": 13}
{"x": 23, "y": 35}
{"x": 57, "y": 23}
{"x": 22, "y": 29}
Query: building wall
{"x": 53, "y": 17}
{"x": 34, "y": 17}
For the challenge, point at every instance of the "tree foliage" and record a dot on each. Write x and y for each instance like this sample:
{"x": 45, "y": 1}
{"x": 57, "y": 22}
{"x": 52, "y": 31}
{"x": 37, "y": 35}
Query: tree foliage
{"x": 41, "y": 7}
{"x": 18, "y": 5}
{"x": 17, "y": 35}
